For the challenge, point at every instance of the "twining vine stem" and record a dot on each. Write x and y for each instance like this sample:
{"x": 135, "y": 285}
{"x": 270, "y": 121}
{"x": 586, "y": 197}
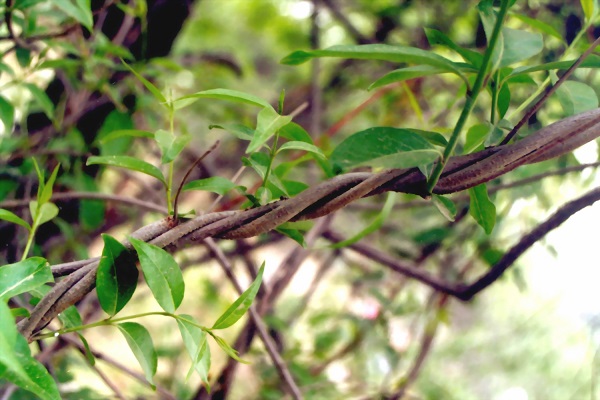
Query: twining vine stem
{"x": 461, "y": 172}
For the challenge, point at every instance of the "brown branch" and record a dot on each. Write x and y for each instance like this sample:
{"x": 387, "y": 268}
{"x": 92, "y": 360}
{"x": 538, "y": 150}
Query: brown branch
{"x": 560, "y": 216}
{"x": 550, "y": 92}
{"x": 462, "y": 172}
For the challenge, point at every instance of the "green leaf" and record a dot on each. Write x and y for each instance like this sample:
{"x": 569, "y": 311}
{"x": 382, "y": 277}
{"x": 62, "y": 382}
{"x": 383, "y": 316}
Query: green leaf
{"x": 149, "y": 85}
{"x": 222, "y": 94}
{"x": 445, "y": 206}
{"x": 520, "y": 45}
{"x": 15, "y": 219}
{"x": 17, "y": 365}
{"x": 374, "y": 225}
{"x": 592, "y": 61}
{"x": 437, "y": 37}
{"x": 46, "y": 193}
{"x": 589, "y": 9}
{"x": 231, "y": 352}
{"x": 7, "y": 114}
{"x": 125, "y": 133}
{"x": 539, "y": 25}
{"x": 435, "y": 138}
{"x": 476, "y": 136}
{"x": 268, "y": 123}
{"x": 295, "y": 132}
{"x": 576, "y": 97}
{"x": 80, "y": 10}
{"x": 238, "y": 130}
{"x": 162, "y": 274}
{"x": 23, "y": 276}
{"x": 404, "y": 74}
{"x": 259, "y": 162}
{"x": 88, "y": 351}
{"x": 23, "y": 56}
{"x": 117, "y": 276}
{"x": 130, "y": 163}
{"x": 23, "y": 4}
{"x": 141, "y": 345}
{"x": 481, "y": 208}
{"x": 293, "y": 234}
{"x": 41, "y": 99}
{"x": 196, "y": 345}
{"x": 383, "y": 52}
{"x": 384, "y": 147}
{"x": 42, "y": 214}
{"x": 241, "y": 305}
{"x": 70, "y": 317}
{"x": 294, "y": 145}
{"x": 170, "y": 145}
{"x": 214, "y": 184}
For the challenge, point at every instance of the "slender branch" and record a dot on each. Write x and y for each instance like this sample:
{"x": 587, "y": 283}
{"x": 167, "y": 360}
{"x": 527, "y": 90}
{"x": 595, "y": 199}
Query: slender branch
{"x": 560, "y": 216}
{"x": 91, "y": 196}
{"x": 550, "y": 92}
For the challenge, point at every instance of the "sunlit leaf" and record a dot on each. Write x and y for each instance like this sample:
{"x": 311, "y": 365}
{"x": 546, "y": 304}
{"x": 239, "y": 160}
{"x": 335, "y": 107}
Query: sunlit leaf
{"x": 295, "y": 145}
{"x": 24, "y": 276}
{"x": 268, "y": 123}
{"x": 196, "y": 345}
{"x": 80, "y": 10}
{"x": 170, "y": 145}
{"x": 149, "y": 85}
{"x": 241, "y": 305}
{"x": 214, "y": 184}
{"x": 7, "y": 114}
{"x": 162, "y": 274}
{"x": 141, "y": 345}
{"x": 222, "y": 94}
{"x": 131, "y": 163}
{"x": 481, "y": 208}
{"x": 384, "y": 147}
{"x": 15, "y": 219}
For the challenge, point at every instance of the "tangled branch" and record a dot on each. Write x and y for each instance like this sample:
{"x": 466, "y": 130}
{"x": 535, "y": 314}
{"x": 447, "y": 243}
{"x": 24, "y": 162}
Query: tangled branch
{"x": 461, "y": 172}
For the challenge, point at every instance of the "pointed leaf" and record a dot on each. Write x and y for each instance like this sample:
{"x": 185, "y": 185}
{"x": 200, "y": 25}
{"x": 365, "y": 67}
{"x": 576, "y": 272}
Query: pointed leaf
{"x": 482, "y": 209}
{"x": 117, "y": 276}
{"x": 162, "y": 274}
{"x": 196, "y": 345}
{"x": 222, "y": 94}
{"x": 46, "y": 212}
{"x": 404, "y": 74}
{"x": 130, "y": 163}
{"x": 80, "y": 11}
{"x": 214, "y": 184}
{"x": 241, "y": 305}
{"x": 520, "y": 45}
{"x": 576, "y": 97}
{"x": 170, "y": 145}
{"x": 24, "y": 276}
{"x": 141, "y": 345}
{"x": 445, "y": 206}
{"x": 383, "y": 52}
{"x": 15, "y": 219}
{"x": 295, "y": 145}
{"x": 41, "y": 99}
{"x": 384, "y": 147}
{"x": 238, "y": 130}
{"x": 7, "y": 114}
{"x": 149, "y": 85}
{"x": 268, "y": 123}
{"x": 231, "y": 352}
{"x": 125, "y": 133}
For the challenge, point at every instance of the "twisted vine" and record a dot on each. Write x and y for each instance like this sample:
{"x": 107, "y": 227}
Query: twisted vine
{"x": 461, "y": 172}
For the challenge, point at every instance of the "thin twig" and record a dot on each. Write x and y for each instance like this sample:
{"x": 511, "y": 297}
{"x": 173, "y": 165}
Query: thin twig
{"x": 146, "y": 205}
{"x": 550, "y": 92}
